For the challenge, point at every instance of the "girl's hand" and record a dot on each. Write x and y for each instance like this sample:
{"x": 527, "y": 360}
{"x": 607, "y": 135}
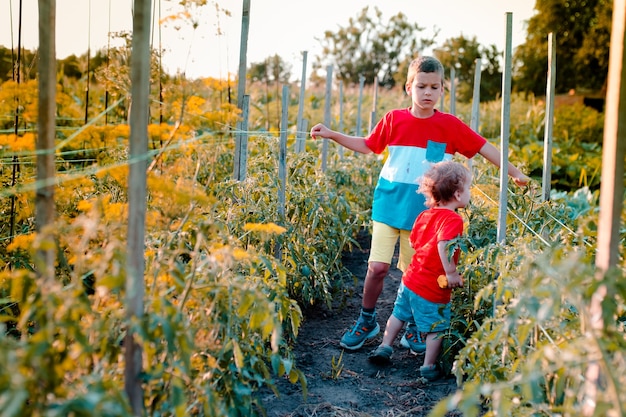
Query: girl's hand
{"x": 453, "y": 282}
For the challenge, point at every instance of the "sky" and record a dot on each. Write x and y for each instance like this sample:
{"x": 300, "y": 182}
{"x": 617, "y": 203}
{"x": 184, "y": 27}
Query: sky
{"x": 282, "y": 27}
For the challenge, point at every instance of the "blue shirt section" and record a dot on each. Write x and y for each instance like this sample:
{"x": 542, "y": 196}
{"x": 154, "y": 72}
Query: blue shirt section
{"x": 396, "y": 200}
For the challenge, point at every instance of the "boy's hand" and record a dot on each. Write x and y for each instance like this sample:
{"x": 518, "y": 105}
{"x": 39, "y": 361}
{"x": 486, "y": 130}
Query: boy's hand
{"x": 521, "y": 180}
{"x": 319, "y": 131}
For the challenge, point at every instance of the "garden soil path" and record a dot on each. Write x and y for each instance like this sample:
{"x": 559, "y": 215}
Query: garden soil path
{"x": 360, "y": 388}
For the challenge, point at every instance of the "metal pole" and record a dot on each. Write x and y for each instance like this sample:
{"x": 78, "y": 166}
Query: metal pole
{"x": 45, "y": 213}
{"x": 475, "y": 118}
{"x": 282, "y": 169}
{"x": 549, "y": 120}
{"x": 137, "y": 201}
{"x": 358, "y": 112}
{"x": 241, "y": 83}
{"x": 505, "y": 130}
{"x": 340, "y": 128}
{"x": 301, "y": 129}
{"x": 329, "y": 84}
{"x": 452, "y": 90}
{"x": 374, "y": 104}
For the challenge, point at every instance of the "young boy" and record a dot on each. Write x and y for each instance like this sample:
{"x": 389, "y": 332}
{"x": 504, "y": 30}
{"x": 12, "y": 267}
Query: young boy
{"x": 415, "y": 137}
{"x": 423, "y": 297}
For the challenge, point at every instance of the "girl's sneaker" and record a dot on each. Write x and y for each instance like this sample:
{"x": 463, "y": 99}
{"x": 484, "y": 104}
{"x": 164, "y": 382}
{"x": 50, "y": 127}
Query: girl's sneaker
{"x": 430, "y": 372}
{"x": 381, "y": 355}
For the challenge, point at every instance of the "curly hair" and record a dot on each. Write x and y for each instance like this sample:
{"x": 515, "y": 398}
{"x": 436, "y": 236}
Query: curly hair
{"x": 442, "y": 180}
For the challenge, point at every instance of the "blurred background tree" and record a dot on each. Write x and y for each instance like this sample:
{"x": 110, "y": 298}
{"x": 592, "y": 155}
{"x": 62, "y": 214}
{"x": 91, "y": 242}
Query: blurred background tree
{"x": 372, "y": 47}
{"x": 461, "y": 54}
{"x": 582, "y": 31}
{"x": 378, "y": 47}
{"x": 28, "y": 64}
{"x": 273, "y": 71}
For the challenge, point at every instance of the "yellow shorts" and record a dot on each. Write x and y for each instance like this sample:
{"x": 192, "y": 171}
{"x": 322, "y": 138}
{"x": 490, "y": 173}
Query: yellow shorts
{"x": 384, "y": 239}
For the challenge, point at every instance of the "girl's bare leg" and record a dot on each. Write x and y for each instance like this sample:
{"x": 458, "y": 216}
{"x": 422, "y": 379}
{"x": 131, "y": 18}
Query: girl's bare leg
{"x": 392, "y": 329}
{"x": 433, "y": 348}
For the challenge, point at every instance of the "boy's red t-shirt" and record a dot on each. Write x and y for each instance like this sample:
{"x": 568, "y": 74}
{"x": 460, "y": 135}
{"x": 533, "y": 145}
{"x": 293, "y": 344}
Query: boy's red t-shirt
{"x": 431, "y": 227}
{"x": 413, "y": 145}
{"x": 400, "y": 128}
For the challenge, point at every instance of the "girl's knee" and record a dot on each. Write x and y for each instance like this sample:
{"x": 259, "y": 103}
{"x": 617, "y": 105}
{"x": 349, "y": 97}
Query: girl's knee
{"x": 433, "y": 337}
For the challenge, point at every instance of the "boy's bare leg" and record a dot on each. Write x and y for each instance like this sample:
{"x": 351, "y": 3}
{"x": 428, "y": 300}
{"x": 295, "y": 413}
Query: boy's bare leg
{"x": 374, "y": 282}
{"x": 366, "y": 326}
{"x": 372, "y": 288}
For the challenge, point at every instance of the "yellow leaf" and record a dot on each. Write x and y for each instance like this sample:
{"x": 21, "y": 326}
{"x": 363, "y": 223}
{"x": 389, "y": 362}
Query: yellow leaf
{"x": 293, "y": 376}
{"x": 23, "y": 242}
{"x": 238, "y": 356}
{"x": 271, "y": 228}
{"x": 84, "y": 205}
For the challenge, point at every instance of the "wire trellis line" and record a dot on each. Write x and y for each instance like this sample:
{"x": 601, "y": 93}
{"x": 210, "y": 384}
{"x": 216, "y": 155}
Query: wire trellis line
{"x": 527, "y": 226}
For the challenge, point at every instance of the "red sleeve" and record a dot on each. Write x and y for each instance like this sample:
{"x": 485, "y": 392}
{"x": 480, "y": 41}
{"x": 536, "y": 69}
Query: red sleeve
{"x": 451, "y": 229}
{"x": 378, "y": 139}
{"x": 469, "y": 142}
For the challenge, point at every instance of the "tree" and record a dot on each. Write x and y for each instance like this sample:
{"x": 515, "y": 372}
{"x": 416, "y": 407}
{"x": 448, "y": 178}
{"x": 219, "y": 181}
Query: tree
{"x": 372, "y": 47}
{"x": 461, "y": 53}
{"x": 582, "y": 35}
{"x": 593, "y": 57}
{"x": 491, "y": 75}
{"x": 71, "y": 67}
{"x": 116, "y": 78}
{"x": 273, "y": 70}
{"x": 28, "y": 64}
{"x": 7, "y": 57}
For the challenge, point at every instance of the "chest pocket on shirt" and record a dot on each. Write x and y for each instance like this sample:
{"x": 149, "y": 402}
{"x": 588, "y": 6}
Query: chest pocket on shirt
{"x": 435, "y": 151}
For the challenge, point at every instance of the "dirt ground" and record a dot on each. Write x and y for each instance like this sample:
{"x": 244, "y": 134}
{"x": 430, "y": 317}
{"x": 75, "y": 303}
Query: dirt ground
{"x": 353, "y": 386}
